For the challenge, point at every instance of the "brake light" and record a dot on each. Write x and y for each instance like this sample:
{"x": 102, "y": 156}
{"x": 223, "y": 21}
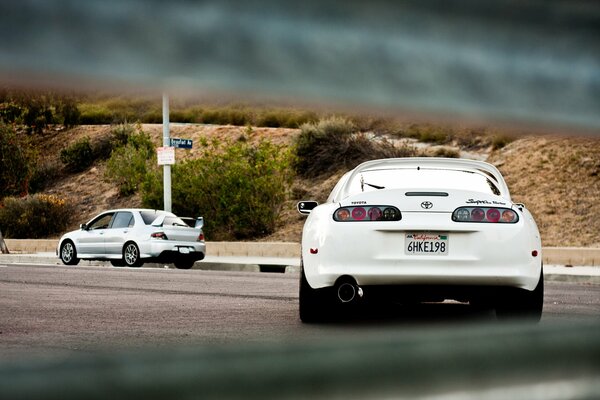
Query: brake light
{"x": 200, "y": 237}
{"x": 367, "y": 213}
{"x": 485, "y": 214}
{"x": 159, "y": 235}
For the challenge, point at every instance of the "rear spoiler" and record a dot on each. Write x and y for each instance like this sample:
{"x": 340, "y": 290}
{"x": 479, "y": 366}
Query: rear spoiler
{"x": 197, "y": 223}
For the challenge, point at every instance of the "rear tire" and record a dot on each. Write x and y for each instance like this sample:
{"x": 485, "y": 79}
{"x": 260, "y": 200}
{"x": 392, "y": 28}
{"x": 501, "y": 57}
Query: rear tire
{"x": 131, "y": 255}
{"x": 521, "y": 303}
{"x": 68, "y": 253}
{"x": 313, "y": 303}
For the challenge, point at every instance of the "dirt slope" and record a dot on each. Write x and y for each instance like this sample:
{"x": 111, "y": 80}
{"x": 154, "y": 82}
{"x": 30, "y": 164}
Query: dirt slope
{"x": 557, "y": 178}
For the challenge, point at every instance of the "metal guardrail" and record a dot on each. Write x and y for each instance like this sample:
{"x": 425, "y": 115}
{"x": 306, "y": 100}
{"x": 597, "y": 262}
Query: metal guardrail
{"x": 527, "y": 63}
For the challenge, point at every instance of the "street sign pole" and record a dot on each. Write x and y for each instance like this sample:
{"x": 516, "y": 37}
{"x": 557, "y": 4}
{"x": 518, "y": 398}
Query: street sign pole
{"x": 166, "y": 143}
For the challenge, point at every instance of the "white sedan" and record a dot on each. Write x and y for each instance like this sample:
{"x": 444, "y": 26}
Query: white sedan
{"x": 424, "y": 230}
{"x": 130, "y": 237}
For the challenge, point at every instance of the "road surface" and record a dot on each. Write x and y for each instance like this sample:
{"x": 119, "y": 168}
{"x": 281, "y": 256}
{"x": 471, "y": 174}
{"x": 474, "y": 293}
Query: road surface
{"x": 49, "y": 310}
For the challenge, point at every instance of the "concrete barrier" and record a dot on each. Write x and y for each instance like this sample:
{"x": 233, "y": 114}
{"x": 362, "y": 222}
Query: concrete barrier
{"x": 580, "y": 256}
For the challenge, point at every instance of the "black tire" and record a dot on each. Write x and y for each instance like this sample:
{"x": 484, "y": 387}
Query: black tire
{"x": 68, "y": 253}
{"x": 184, "y": 264}
{"x": 521, "y": 303}
{"x": 131, "y": 255}
{"x": 313, "y": 303}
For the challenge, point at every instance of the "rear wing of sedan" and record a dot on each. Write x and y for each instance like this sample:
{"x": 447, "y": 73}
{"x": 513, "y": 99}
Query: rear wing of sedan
{"x": 196, "y": 223}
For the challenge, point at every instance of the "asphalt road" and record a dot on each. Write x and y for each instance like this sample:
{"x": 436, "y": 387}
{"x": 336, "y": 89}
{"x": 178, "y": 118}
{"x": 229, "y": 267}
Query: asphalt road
{"x": 49, "y": 310}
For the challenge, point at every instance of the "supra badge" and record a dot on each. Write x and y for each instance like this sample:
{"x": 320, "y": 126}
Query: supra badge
{"x": 426, "y": 205}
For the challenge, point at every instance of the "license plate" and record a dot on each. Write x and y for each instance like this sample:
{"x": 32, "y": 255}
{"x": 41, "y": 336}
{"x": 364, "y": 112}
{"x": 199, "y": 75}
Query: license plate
{"x": 435, "y": 244}
{"x": 184, "y": 250}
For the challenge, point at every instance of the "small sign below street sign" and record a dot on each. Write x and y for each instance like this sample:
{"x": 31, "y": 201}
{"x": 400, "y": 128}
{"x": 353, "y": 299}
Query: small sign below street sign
{"x": 182, "y": 143}
{"x": 165, "y": 155}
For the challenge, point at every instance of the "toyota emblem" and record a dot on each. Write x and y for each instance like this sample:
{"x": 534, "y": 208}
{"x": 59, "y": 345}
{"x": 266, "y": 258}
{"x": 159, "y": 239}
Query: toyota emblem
{"x": 427, "y": 205}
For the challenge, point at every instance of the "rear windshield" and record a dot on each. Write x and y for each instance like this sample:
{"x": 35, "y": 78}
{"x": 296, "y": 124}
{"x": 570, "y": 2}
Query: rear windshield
{"x": 150, "y": 216}
{"x": 431, "y": 179}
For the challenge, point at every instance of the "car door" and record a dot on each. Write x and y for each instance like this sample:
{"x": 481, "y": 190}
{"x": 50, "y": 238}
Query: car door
{"x": 115, "y": 237}
{"x": 91, "y": 238}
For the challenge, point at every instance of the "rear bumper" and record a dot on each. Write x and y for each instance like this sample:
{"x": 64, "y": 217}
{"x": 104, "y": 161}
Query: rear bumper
{"x": 375, "y": 254}
{"x": 170, "y": 251}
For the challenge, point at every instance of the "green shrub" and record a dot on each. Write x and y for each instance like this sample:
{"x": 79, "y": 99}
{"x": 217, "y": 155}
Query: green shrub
{"x": 95, "y": 114}
{"x": 17, "y": 161}
{"x": 78, "y": 156}
{"x": 11, "y": 113}
{"x": 238, "y": 187}
{"x": 69, "y": 112}
{"x": 128, "y": 164}
{"x": 446, "y": 152}
{"x": 499, "y": 141}
{"x": 45, "y": 173}
{"x": 33, "y": 217}
{"x": 331, "y": 144}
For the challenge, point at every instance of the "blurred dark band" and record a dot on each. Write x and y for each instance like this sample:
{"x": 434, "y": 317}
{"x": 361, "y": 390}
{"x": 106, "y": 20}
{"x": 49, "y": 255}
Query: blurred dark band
{"x": 526, "y": 62}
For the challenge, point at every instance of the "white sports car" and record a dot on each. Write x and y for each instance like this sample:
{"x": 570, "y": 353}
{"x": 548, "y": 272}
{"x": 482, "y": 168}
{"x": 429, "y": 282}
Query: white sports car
{"x": 130, "y": 237}
{"x": 420, "y": 229}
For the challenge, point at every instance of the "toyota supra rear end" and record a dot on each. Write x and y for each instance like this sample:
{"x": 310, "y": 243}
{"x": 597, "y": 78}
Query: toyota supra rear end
{"x": 420, "y": 230}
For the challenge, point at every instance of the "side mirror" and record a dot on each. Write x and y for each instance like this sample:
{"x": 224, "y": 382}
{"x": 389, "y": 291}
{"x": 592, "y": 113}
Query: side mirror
{"x": 83, "y": 227}
{"x": 305, "y": 207}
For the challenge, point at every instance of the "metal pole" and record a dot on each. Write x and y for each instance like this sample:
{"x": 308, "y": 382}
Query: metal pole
{"x": 166, "y": 143}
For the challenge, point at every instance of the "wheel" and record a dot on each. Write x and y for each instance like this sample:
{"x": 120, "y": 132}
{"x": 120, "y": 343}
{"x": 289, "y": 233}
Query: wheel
{"x": 117, "y": 263}
{"x": 184, "y": 264}
{"x": 520, "y": 303}
{"x": 131, "y": 255}
{"x": 313, "y": 303}
{"x": 68, "y": 253}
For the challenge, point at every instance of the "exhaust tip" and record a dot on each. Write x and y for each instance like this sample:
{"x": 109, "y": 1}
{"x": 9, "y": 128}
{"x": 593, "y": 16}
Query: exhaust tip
{"x": 348, "y": 292}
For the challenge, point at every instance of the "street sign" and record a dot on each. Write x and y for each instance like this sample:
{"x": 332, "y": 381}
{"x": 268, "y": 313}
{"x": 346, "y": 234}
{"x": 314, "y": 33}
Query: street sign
{"x": 165, "y": 155}
{"x": 182, "y": 143}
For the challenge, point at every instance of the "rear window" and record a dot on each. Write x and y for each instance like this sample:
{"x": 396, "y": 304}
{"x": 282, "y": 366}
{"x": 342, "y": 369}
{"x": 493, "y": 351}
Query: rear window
{"x": 423, "y": 178}
{"x": 150, "y": 216}
{"x": 123, "y": 220}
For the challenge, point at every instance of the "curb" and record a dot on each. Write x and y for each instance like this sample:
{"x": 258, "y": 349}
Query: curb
{"x": 552, "y": 273}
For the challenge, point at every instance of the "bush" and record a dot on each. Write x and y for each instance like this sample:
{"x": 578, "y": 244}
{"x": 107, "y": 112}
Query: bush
{"x": 446, "y": 152}
{"x": 331, "y": 144}
{"x": 128, "y": 164}
{"x": 17, "y": 160}
{"x": 239, "y": 188}
{"x": 78, "y": 156}
{"x": 45, "y": 173}
{"x": 69, "y": 112}
{"x": 95, "y": 114}
{"x": 34, "y": 217}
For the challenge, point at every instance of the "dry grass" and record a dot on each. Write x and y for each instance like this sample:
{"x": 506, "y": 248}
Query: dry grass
{"x": 558, "y": 179}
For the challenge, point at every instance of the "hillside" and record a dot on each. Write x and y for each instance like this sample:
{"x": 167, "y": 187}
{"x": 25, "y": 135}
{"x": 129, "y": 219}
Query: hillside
{"x": 557, "y": 178}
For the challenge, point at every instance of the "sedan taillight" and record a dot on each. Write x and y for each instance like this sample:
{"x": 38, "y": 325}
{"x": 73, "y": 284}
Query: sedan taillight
{"x": 367, "y": 213}
{"x": 159, "y": 235}
{"x": 200, "y": 237}
{"x": 485, "y": 214}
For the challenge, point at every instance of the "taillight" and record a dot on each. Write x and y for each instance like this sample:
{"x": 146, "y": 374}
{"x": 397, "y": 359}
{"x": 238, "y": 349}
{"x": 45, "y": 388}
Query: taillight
{"x": 200, "y": 237}
{"x": 367, "y": 213}
{"x": 485, "y": 215}
{"x": 159, "y": 235}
